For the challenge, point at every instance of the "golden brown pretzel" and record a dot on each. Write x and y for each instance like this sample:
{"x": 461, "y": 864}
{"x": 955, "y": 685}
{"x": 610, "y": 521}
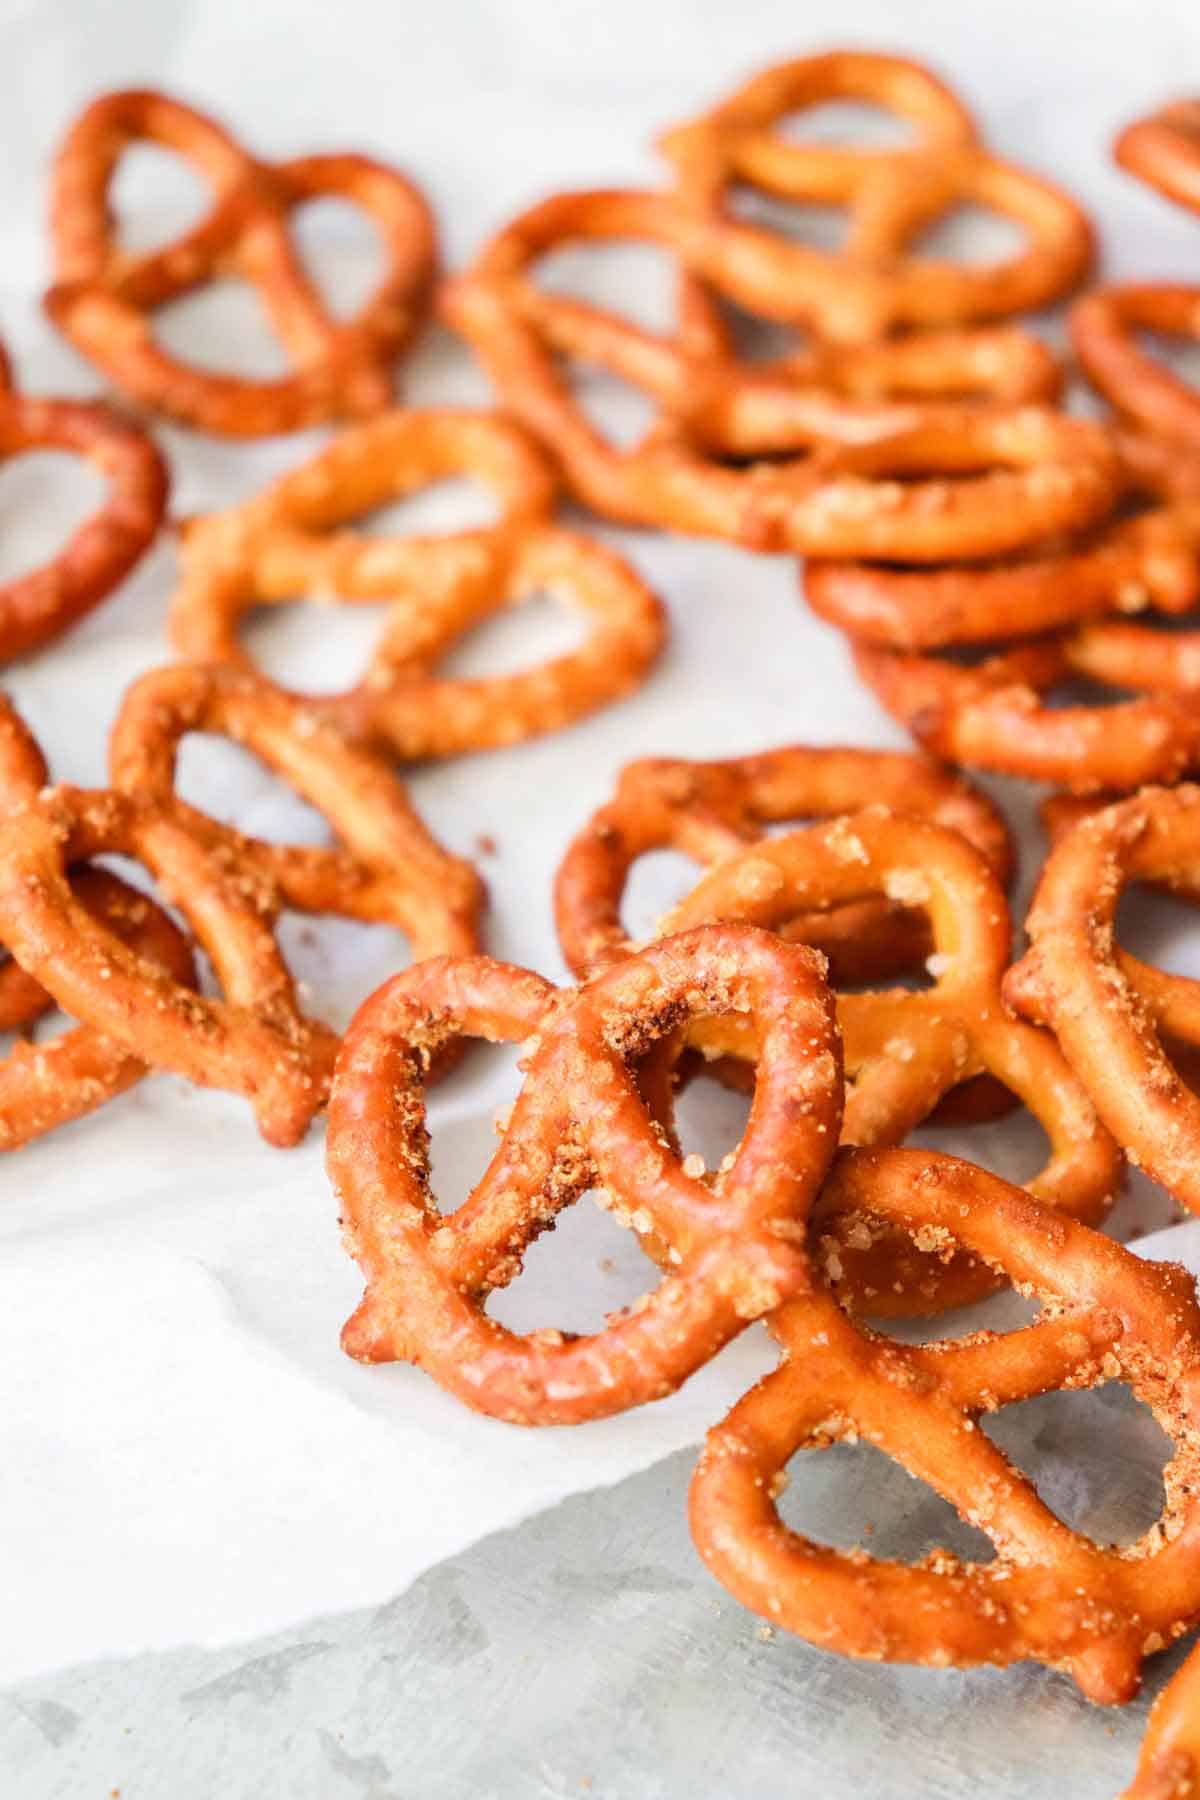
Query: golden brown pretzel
{"x": 728, "y": 1240}
{"x": 1050, "y": 1594}
{"x": 386, "y": 868}
{"x": 1103, "y": 327}
{"x": 254, "y": 1041}
{"x": 1108, "y": 1010}
{"x": 102, "y": 295}
{"x": 951, "y": 482}
{"x": 993, "y": 714}
{"x": 294, "y": 537}
{"x": 873, "y": 283}
{"x": 99, "y": 553}
{"x": 712, "y": 810}
{"x": 1164, "y": 149}
{"x": 1125, "y": 565}
{"x": 905, "y": 1050}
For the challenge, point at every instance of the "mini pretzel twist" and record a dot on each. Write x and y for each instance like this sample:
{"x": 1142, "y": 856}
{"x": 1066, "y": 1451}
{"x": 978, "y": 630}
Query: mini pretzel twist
{"x": 728, "y": 1240}
{"x": 994, "y": 715}
{"x": 1050, "y": 1595}
{"x": 904, "y": 1050}
{"x": 1164, "y": 150}
{"x": 1109, "y": 1011}
{"x": 883, "y": 481}
{"x": 254, "y": 1042}
{"x": 1151, "y": 560}
{"x": 43, "y": 1085}
{"x": 713, "y": 810}
{"x": 102, "y": 295}
{"x": 386, "y": 868}
{"x": 293, "y": 537}
{"x": 99, "y": 553}
{"x": 874, "y": 283}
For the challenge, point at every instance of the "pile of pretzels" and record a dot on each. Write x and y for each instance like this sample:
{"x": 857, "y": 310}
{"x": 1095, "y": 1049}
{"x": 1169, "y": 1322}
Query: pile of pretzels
{"x": 846, "y": 955}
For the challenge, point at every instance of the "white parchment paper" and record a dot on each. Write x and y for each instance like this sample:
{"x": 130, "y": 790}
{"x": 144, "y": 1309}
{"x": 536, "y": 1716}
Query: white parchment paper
{"x": 186, "y": 1455}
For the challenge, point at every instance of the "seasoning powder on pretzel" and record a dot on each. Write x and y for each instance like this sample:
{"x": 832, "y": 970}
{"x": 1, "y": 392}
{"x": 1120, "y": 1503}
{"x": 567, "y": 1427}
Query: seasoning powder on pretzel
{"x": 729, "y": 1241}
{"x": 1050, "y": 1594}
{"x": 294, "y": 538}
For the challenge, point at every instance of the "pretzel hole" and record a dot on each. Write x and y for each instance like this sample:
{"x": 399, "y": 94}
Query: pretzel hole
{"x": 657, "y": 881}
{"x": 1161, "y": 929}
{"x": 637, "y": 281}
{"x": 44, "y": 496}
{"x": 970, "y": 234}
{"x": 853, "y": 1496}
{"x": 574, "y": 1276}
{"x": 758, "y": 340}
{"x": 221, "y": 327}
{"x": 851, "y": 122}
{"x": 520, "y": 636}
{"x": 311, "y": 647}
{"x": 229, "y": 783}
{"x": 341, "y": 250}
{"x": 1096, "y": 1457}
{"x": 157, "y": 197}
{"x": 1015, "y": 1147}
{"x": 337, "y": 962}
{"x": 1081, "y": 691}
{"x": 456, "y": 503}
{"x": 815, "y": 226}
{"x": 711, "y": 1119}
{"x": 1175, "y": 350}
{"x": 621, "y": 413}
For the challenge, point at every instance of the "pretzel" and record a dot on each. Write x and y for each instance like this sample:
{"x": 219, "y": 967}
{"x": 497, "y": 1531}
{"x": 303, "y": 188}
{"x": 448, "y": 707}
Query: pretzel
{"x": 291, "y": 538}
{"x": 874, "y": 283}
{"x": 904, "y": 1051}
{"x": 100, "y": 553}
{"x": 727, "y": 1240}
{"x": 1103, "y": 325}
{"x": 992, "y": 715}
{"x": 102, "y": 295}
{"x": 712, "y": 810}
{"x": 1108, "y": 1010}
{"x": 1126, "y": 566}
{"x": 1164, "y": 149}
{"x": 1169, "y": 1765}
{"x": 254, "y": 1042}
{"x": 1031, "y": 471}
{"x": 1050, "y": 1595}
{"x": 387, "y": 869}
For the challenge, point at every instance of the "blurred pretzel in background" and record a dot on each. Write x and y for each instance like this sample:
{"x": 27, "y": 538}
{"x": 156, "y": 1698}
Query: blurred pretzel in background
{"x": 98, "y": 555}
{"x": 103, "y": 297}
{"x": 297, "y": 536}
{"x": 873, "y": 284}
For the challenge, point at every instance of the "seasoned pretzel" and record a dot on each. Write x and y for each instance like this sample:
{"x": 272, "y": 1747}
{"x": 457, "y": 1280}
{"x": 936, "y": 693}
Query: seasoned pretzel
{"x": 712, "y": 810}
{"x": 254, "y": 1042}
{"x": 386, "y": 869}
{"x": 102, "y": 295}
{"x": 100, "y": 553}
{"x": 1127, "y": 566}
{"x": 904, "y": 1051}
{"x": 1108, "y": 1010}
{"x": 1164, "y": 149}
{"x": 728, "y": 1241}
{"x": 45, "y": 1085}
{"x": 1103, "y": 325}
{"x": 292, "y": 537}
{"x": 875, "y": 282}
{"x": 993, "y": 715}
{"x": 1032, "y": 471}
{"x": 1050, "y": 1595}
{"x": 1169, "y": 1764}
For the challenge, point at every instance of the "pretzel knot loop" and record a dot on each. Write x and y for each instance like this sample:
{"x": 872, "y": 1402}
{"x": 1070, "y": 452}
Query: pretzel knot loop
{"x": 728, "y": 1240}
{"x": 295, "y": 537}
{"x": 1050, "y": 1595}
{"x": 99, "y": 554}
{"x": 874, "y": 282}
{"x": 102, "y": 294}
